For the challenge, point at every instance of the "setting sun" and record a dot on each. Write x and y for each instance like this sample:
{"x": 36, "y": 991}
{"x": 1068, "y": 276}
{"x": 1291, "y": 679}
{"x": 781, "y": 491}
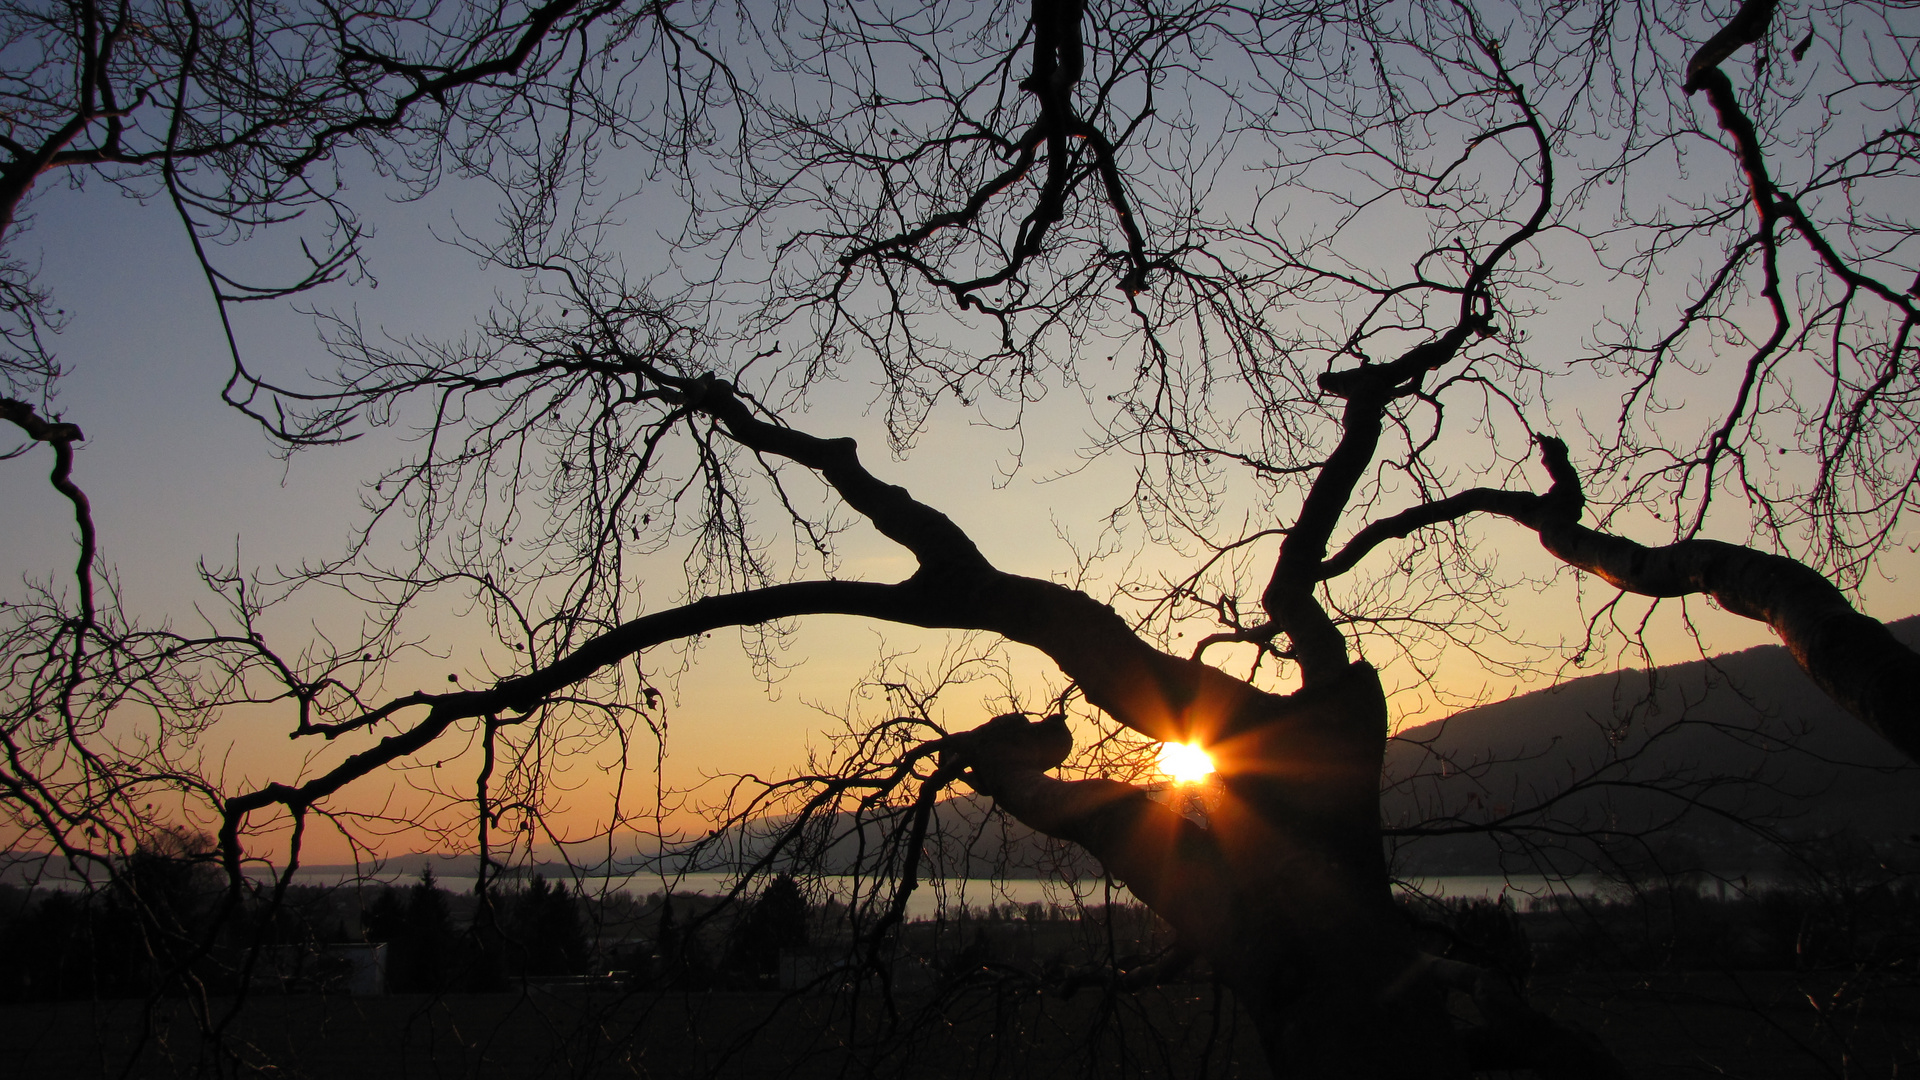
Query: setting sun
{"x": 1185, "y": 762}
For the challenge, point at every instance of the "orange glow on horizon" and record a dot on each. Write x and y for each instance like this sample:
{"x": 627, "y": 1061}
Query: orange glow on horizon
{"x": 1187, "y": 763}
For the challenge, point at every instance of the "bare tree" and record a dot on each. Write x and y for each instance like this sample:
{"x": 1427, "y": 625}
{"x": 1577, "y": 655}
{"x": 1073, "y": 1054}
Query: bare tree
{"x": 993, "y": 205}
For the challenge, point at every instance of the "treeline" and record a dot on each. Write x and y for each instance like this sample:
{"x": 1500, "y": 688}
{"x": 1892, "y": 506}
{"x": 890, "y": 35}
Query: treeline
{"x": 139, "y": 933}
{"x": 1684, "y": 927}
{"x": 537, "y": 930}
{"x": 162, "y": 924}
{"x": 126, "y": 941}
{"x": 439, "y": 941}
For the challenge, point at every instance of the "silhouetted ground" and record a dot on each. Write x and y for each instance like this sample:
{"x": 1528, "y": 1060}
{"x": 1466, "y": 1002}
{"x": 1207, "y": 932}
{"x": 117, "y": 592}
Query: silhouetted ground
{"x": 1756, "y": 1025}
{"x": 542, "y": 1034}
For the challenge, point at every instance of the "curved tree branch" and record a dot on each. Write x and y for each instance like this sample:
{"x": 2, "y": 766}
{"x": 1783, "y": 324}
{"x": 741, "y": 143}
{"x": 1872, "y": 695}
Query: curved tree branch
{"x": 1852, "y": 657}
{"x": 61, "y": 436}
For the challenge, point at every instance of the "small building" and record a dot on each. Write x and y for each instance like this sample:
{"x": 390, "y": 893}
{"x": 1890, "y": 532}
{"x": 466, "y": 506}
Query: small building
{"x": 358, "y": 968}
{"x": 366, "y": 967}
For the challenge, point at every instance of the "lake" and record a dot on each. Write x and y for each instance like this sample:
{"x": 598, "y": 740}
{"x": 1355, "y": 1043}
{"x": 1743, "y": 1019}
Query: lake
{"x": 931, "y": 899}
{"x": 928, "y": 901}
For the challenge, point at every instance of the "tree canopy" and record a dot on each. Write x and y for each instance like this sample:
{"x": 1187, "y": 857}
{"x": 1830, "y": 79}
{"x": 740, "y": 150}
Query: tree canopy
{"x": 1328, "y": 287}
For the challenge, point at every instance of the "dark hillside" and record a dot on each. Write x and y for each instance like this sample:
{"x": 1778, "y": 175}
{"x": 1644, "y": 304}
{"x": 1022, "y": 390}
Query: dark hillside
{"x": 1703, "y": 751}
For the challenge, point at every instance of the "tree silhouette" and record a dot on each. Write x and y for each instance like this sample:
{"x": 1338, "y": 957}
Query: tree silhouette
{"x": 430, "y": 934}
{"x": 230, "y": 114}
{"x": 1331, "y": 434}
{"x": 776, "y": 920}
{"x": 417, "y": 925}
{"x": 544, "y": 931}
{"x": 680, "y": 957}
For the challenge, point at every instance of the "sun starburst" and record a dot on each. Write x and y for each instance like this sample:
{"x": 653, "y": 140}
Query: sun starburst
{"x": 1187, "y": 763}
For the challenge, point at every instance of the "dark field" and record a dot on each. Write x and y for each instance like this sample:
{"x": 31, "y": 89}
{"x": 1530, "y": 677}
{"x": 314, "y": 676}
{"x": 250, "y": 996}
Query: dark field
{"x": 1754, "y": 1024}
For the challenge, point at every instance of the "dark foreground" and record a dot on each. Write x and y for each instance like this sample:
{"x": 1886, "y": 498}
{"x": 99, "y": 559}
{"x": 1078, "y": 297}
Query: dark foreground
{"x": 1754, "y": 1025}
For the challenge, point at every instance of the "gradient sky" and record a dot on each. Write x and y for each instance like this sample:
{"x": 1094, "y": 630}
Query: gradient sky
{"x": 175, "y": 476}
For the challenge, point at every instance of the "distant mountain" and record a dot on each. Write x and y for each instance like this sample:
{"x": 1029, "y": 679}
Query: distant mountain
{"x": 1715, "y": 754}
{"x": 965, "y": 839}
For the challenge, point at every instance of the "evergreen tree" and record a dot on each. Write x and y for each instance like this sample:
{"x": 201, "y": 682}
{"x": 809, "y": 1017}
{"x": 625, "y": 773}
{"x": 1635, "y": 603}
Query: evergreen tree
{"x": 485, "y": 967}
{"x": 777, "y": 920}
{"x": 546, "y": 930}
{"x": 168, "y": 890}
{"x": 429, "y": 937}
{"x": 666, "y": 945}
{"x": 385, "y": 919}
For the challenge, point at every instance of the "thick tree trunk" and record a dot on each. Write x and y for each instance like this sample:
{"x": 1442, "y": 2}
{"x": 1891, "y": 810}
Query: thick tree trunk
{"x": 1284, "y": 889}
